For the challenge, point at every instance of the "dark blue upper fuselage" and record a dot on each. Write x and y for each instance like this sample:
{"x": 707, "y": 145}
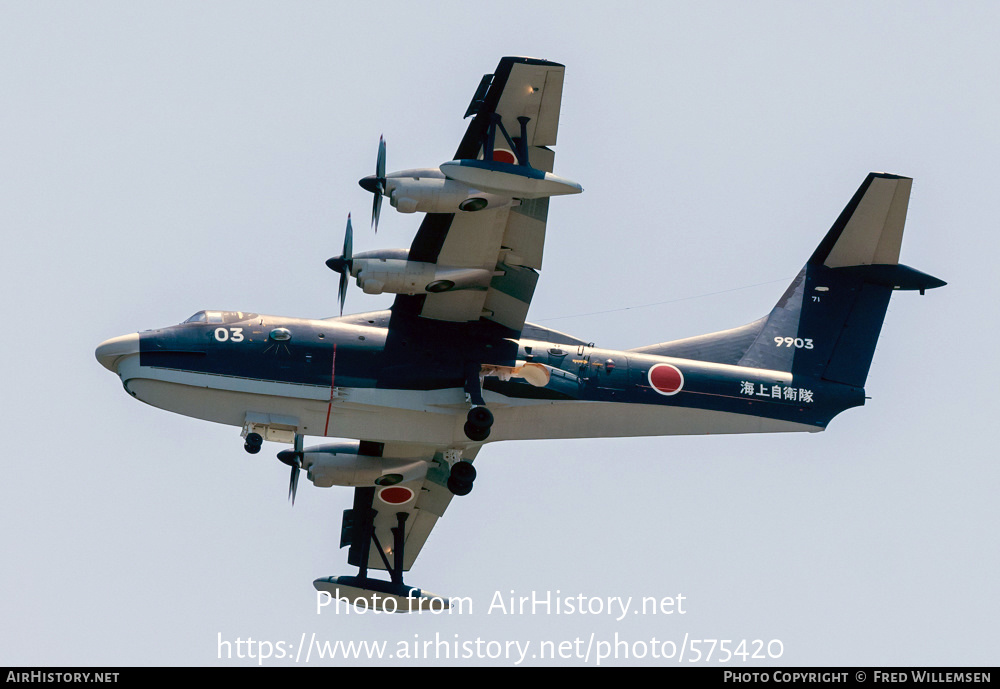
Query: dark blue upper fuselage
{"x": 359, "y": 351}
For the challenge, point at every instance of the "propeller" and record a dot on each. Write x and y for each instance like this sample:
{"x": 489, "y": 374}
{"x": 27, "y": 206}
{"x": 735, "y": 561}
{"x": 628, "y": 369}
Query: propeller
{"x": 293, "y": 458}
{"x": 376, "y": 183}
{"x": 344, "y": 263}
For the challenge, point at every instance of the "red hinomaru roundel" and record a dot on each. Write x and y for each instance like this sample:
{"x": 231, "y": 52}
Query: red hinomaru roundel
{"x": 395, "y": 495}
{"x": 666, "y": 379}
{"x": 502, "y": 155}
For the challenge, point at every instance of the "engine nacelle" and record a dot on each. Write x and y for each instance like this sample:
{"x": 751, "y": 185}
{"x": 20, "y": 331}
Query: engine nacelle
{"x": 397, "y": 276}
{"x": 438, "y": 195}
{"x": 336, "y": 465}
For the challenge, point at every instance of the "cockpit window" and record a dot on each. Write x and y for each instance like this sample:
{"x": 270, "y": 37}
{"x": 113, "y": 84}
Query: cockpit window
{"x": 220, "y": 317}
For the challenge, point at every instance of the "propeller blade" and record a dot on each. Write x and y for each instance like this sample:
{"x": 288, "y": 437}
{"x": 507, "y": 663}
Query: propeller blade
{"x": 343, "y": 291}
{"x": 343, "y": 265}
{"x": 379, "y": 183}
{"x": 348, "y": 241}
{"x": 376, "y": 209}
{"x": 293, "y": 458}
{"x": 376, "y": 183}
{"x": 293, "y": 482}
{"x": 380, "y": 161}
{"x": 346, "y": 257}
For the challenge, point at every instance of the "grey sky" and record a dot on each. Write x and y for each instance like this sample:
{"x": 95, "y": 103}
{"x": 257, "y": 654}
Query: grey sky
{"x": 161, "y": 158}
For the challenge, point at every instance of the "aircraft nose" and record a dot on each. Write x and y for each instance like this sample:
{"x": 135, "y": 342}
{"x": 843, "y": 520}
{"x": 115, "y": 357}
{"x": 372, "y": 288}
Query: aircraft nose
{"x": 110, "y": 352}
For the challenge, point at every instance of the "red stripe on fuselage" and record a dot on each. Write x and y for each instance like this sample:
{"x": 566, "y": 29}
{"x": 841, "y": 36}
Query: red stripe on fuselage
{"x": 333, "y": 375}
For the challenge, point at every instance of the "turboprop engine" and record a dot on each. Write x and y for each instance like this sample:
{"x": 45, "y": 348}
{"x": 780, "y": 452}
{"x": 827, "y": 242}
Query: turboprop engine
{"x": 390, "y": 270}
{"x": 464, "y": 185}
{"x": 339, "y": 464}
{"x": 424, "y": 190}
{"x": 399, "y": 276}
{"x": 429, "y": 191}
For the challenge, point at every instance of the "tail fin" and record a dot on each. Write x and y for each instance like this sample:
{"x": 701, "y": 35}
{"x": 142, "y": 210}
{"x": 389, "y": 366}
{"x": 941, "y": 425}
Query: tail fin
{"x": 828, "y": 320}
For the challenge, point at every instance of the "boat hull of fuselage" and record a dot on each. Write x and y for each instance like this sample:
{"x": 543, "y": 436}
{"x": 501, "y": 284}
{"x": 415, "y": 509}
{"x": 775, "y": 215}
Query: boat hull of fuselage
{"x": 426, "y": 417}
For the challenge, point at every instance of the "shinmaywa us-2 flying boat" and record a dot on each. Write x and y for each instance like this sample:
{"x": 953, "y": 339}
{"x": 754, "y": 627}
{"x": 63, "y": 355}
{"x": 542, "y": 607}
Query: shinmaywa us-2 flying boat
{"x": 453, "y": 364}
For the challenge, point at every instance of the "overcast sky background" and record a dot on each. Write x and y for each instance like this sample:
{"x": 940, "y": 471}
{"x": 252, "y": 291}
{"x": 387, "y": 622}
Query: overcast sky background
{"x": 161, "y": 158}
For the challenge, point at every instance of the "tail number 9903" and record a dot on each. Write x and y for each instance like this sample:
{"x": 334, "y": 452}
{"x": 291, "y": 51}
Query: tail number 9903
{"x": 797, "y": 342}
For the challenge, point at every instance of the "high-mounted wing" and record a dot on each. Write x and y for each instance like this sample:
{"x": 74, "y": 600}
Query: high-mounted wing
{"x": 507, "y": 240}
{"x": 445, "y": 335}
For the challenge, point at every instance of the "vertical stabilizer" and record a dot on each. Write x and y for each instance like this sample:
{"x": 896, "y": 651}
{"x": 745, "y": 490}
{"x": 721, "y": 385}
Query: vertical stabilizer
{"x": 828, "y": 321}
{"x": 869, "y": 231}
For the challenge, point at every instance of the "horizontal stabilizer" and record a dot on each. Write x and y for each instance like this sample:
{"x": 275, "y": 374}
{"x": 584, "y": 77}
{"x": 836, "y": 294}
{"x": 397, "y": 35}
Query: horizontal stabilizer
{"x": 895, "y": 276}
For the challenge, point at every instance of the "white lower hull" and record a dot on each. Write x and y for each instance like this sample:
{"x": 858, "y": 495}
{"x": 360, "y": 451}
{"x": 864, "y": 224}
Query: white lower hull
{"x": 426, "y": 417}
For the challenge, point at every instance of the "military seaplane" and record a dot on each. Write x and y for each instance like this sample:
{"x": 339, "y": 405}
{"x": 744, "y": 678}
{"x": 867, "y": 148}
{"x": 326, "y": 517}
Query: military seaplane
{"x": 413, "y": 393}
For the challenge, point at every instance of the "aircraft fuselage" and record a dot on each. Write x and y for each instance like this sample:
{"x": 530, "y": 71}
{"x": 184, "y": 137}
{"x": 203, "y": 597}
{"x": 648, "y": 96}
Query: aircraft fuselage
{"x": 330, "y": 377}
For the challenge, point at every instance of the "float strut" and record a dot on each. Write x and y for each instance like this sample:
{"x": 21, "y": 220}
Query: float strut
{"x": 367, "y": 535}
{"x": 398, "y": 538}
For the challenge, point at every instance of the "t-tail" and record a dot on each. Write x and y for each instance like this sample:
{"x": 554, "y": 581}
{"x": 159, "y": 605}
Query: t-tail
{"x": 826, "y": 324}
